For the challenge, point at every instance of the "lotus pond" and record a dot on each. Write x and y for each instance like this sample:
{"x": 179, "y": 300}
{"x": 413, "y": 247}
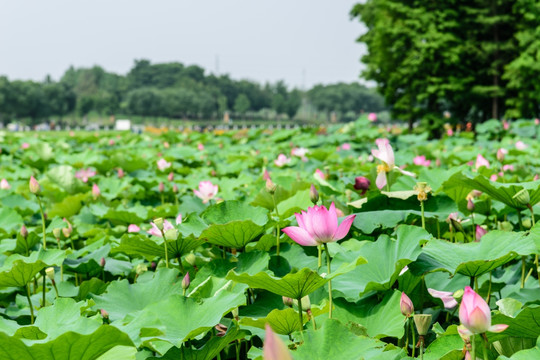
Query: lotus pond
{"x": 344, "y": 242}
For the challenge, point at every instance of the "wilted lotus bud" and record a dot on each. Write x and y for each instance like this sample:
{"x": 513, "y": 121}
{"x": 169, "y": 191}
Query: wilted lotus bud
{"x": 161, "y": 187}
{"x": 67, "y": 231}
{"x": 270, "y": 186}
{"x": 186, "y": 281}
{"x": 34, "y": 186}
{"x": 470, "y": 205}
{"x": 159, "y": 223}
{"x": 287, "y": 301}
{"x": 406, "y": 305}
{"x": 24, "y": 232}
{"x": 171, "y": 234}
{"x": 422, "y": 322}
{"x": 423, "y": 189}
{"x": 102, "y": 262}
{"x": 361, "y": 183}
{"x": 170, "y": 177}
{"x": 190, "y": 259}
{"x": 56, "y": 233}
{"x": 175, "y": 188}
{"x": 50, "y": 273}
{"x": 313, "y": 195}
{"x": 522, "y": 197}
{"x": 141, "y": 268}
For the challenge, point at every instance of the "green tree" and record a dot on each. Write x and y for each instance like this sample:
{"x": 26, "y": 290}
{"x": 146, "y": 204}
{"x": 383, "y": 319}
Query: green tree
{"x": 241, "y": 104}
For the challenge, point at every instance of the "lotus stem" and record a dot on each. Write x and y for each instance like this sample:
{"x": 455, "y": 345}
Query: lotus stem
{"x": 300, "y": 312}
{"x": 44, "y": 287}
{"x": 165, "y": 246}
{"x": 42, "y": 222}
{"x": 473, "y": 347}
{"x": 411, "y": 322}
{"x": 423, "y": 218}
{"x": 523, "y": 269}
{"x": 319, "y": 260}
{"x": 30, "y": 304}
{"x": 486, "y": 344}
{"x": 330, "y": 281}
{"x": 277, "y": 224}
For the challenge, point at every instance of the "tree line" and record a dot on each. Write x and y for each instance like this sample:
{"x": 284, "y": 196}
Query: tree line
{"x": 172, "y": 90}
{"x": 469, "y": 59}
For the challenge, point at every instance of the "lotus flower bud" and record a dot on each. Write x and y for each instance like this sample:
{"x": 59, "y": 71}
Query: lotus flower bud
{"x": 190, "y": 259}
{"x": 422, "y": 322}
{"x": 470, "y": 205}
{"x": 313, "y": 195}
{"x": 270, "y": 186}
{"x": 287, "y": 301}
{"x": 34, "y": 186}
{"x": 50, "y": 273}
{"x": 159, "y": 223}
{"x": 235, "y": 313}
{"x": 175, "y": 188}
{"x": 361, "y": 183}
{"x": 480, "y": 231}
{"x": 95, "y": 191}
{"x": 475, "y": 314}
{"x": 170, "y": 177}
{"x": 141, "y": 268}
{"x": 161, "y": 187}
{"x": 171, "y": 234}
{"x": 274, "y": 348}
{"x": 102, "y": 262}
{"x": 67, "y": 231}
{"x": 121, "y": 173}
{"x": 406, "y": 305}
{"x": 104, "y": 313}
{"x": 523, "y": 197}
{"x": 505, "y": 226}
{"x": 186, "y": 281}
{"x": 153, "y": 266}
{"x": 56, "y": 233}
{"x": 24, "y": 232}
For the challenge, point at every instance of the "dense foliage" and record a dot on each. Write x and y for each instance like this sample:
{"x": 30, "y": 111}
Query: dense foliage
{"x": 175, "y": 91}
{"x": 174, "y": 245}
{"x": 476, "y": 59}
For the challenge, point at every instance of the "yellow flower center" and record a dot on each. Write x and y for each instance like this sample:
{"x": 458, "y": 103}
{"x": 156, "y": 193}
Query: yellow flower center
{"x": 383, "y": 167}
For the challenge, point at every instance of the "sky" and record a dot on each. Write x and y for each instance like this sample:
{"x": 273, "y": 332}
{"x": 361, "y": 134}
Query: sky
{"x": 303, "y": 42}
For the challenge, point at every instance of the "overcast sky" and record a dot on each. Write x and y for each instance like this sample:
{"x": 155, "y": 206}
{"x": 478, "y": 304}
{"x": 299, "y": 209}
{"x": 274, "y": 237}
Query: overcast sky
{"x": 262, "y": 40}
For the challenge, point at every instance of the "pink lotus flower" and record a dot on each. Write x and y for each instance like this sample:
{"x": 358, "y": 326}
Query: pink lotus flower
{"x": 163, "y": 164}
{"x": 166, "y": 145}
{"x": 132, "y": 228}
{"x": 300, "y": 152}
{"x": 346, "y": 146}
{"x": 85, "y": 174}
{"x": 178, "y": 219}
{"x": 449, "y": 132}
{"x": 200, "y": 147}
{"x": 421, "y": 161}
{"x": 406, "y": 305}
{"x": 501, "y": 153}
{"x": 95, "y": 191}
{"x": 274, "y": 348}
{"x": 4, "y": 185}
{"x": 161, "y": 186}
{"x": 282, "y": 160}
{"x": 318, "y": 226}
{"x": 480, "y": 231}
{"x": 170, "y": 177}
{"x": 266, "y": 175}
{"x": 536, "y": 121}
{"x": 121, "y": 173}
{"x": 481, "y": 161}
{"x": 155, "y": 230}
{"x": 206, "y": 191}
{"x": 385, "y": 153}
{"x": 520, "y": 145}
{"x": 508, "y": 167}
{"x": 506, "y": 125}
{"x": 25, "y": 145}
{"x": 493, "y": 177}
{"x": 320, "y": 174}
{"x": 475, "y": 314}
{"x": 446, "y": 297}
{"x": 372, "y": 117}
{"x": 111, "y": 142}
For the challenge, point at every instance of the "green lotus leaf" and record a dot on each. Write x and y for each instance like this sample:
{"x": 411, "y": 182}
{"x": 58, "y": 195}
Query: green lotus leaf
{"x": 18, "y": 270}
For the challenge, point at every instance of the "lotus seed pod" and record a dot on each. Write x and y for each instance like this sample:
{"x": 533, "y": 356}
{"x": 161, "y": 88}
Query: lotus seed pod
{"x": 190, "y": 259}
{"x": 159, "y": 223}
{"x": 422, "y": 322}
{"x": 523, "y": 197}
{"x": 171, "y": 234}
{"x": 50, "y": 273}
{"x": 56, "y": 233}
